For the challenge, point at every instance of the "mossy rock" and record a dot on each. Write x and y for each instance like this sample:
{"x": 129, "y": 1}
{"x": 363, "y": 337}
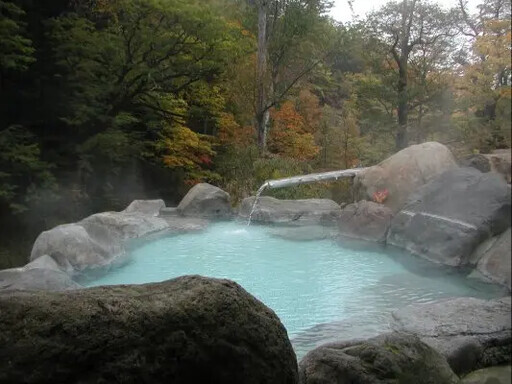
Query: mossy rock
{"x": 187, "y": 330}
{"x": 492, "y": 375}
{"x": 393, "y": 358}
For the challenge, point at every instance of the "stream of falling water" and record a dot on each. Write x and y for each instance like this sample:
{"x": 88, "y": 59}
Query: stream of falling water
{"x": 258, "y": 193}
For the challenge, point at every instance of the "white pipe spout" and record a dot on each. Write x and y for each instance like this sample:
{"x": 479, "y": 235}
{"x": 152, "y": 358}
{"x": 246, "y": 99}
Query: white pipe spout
{"x": 304, "y": 179}
{"x": 312, "y": 178}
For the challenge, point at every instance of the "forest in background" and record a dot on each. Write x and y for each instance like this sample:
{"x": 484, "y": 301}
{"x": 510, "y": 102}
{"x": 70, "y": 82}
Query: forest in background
{"x": 107, "y": 101}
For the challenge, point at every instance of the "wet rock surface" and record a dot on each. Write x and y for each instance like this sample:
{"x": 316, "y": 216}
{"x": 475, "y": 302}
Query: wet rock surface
{"x": 186, "y": 330}
{"x": 304, "y": 233}
{"x": 185, "y": 224}
{"x": 446, "y": 219}
{"x": 471, "y": 333}
{"x": 494, "y": 260}
{"x": 365, "y": 220}
{"x": 392, "y": 358}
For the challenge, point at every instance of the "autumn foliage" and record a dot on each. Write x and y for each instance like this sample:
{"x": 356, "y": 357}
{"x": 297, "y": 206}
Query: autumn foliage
{"x": 289, "y": 134}
{"x": 231, "y": 133}
{"x": 189, "y": 151}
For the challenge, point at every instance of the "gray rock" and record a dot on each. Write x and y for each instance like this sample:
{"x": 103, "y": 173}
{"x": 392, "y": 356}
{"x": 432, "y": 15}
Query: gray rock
{"x": 304, "y": 233}
{"x": 446, "y": 219}
{"x": 99, "y": 239}
{"x": 365, "y": 220}
{"x": 106, "y": 227}
{"x": 477, "y": 161}
{"x": 471, "y": 333}
{"x": 492, "y": 375}
{"x": 43, "y": 262}
{"x": 205, "y": 200}
{"x": 40, "y": 279}
{"x": 307, "y": 211}
{"x": 403, "y": 173}
{"x": 72, "y": 248}
{"x": 499, "y": 161}
{"x": 391, "y": 358}
{"x": 169, "y": 211}
{"x": 186, "y": 330}
{"x": 494, "y": 261}
{"x": 145, "y": 207}
{"x": 185, "y": 224}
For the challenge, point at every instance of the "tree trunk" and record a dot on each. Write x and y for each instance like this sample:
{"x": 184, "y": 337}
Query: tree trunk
{"x": 421, "y": 136}
{"x": 262, "y": 127}
{"x": 262, "y": 113}
{"x": 403, "y": 105}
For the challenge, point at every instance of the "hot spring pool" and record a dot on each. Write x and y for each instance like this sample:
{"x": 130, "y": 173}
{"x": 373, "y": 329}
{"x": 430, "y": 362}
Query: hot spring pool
{"x": 321, "y": 290}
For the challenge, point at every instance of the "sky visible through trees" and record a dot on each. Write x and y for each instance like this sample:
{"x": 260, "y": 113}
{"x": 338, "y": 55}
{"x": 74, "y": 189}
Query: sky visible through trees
{"x": 342, "y": 12}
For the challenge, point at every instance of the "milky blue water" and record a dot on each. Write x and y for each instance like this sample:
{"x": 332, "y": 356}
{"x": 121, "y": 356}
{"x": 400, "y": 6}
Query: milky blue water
{"x": 320, "y": 289}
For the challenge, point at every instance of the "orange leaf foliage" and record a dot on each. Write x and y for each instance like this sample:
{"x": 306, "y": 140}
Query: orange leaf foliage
{"x": 289, "y": 135}
{"x": 309, "y": 108}
{"x": 231, "y": 133}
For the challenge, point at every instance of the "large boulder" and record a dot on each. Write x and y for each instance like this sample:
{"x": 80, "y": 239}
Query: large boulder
{"x": 365, "y": 220}
{"x": 99, "y": 239}
{"x": 446, "y": 219}
{"x": 307, "y": 211}
{"x": 392, "y": 358}
{"x": 494, "y": 260}
{"x": 205, "y": 200}
{"x": 403, "y": 173}
{"x": 41, "y": 274}
{"x": 471, "y": 333}
{"x": 71, "y": 246}
{"x": 186, "y": 330}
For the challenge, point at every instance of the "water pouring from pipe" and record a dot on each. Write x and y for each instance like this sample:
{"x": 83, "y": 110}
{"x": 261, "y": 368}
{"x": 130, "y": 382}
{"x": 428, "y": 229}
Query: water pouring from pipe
{"x": 302, "y": 179}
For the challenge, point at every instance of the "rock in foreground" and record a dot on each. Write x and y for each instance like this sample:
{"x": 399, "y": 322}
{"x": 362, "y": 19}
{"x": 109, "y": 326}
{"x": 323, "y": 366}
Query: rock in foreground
{"x": 186, "y": 330}
{"x": 471, "y": 333}
{"x": 392, "y": 358}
